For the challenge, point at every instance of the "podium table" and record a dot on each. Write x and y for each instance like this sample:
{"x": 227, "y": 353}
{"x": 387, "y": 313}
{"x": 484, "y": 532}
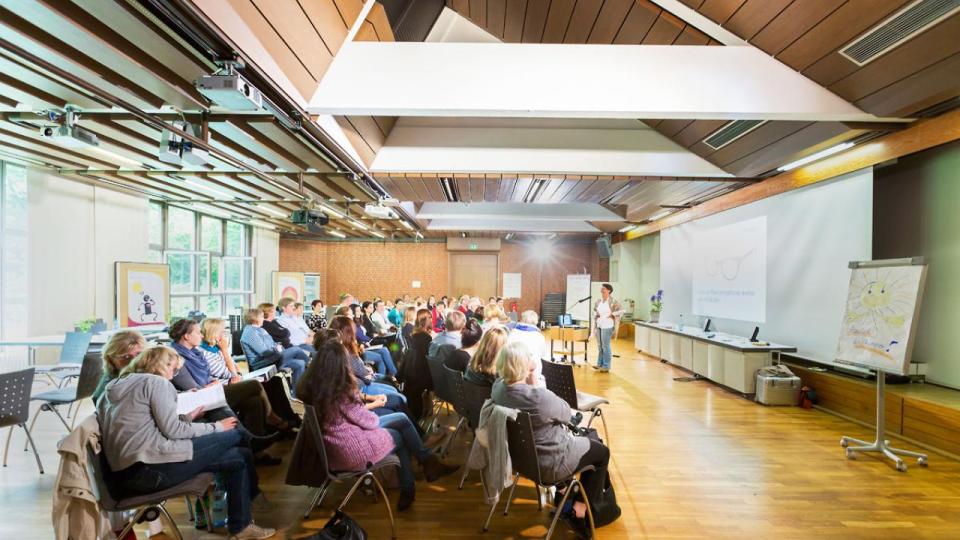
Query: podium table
{"x": 569, "y": 336}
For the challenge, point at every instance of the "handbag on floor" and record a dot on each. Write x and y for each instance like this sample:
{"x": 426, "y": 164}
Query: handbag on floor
{"x": 340, "y": 527}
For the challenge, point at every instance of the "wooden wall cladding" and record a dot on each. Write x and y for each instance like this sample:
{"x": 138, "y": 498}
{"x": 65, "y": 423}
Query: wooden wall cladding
{"x": 806, "y": 35}
{"x": 568, "y": 21}
{"x": 922, "y": 420}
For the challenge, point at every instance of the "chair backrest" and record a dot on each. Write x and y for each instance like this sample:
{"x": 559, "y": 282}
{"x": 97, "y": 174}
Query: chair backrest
{"x": 474, "y": 395}
{"x": 15, "y": 396}
{"x": 235, "y": 348}
{"x": 455, "y": 386}
{"x": 435, "y": 364}
{"x": 560, "y": 381}
{"x": 311, "y": 428}
{"x": 75, "y": 345}
{"x": 90, "y": 373}
{"x": 97, "y": 469}
{"x": 523, "y": 447}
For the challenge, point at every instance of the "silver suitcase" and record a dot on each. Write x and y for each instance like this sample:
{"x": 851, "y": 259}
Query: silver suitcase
{"x": 777, "y": 389}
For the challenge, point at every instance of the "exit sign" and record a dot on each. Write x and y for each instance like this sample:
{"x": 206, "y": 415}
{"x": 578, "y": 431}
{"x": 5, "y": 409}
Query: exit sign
{"x": 474, "y": 246}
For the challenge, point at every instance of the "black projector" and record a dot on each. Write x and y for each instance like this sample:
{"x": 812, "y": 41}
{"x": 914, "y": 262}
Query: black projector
{"x": 313, "y": 220}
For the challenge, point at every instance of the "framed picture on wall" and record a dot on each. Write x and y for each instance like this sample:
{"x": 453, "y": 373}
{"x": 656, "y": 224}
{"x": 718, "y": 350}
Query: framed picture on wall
{"x": 288, "y": 285}
{"x": 143, "y": 293}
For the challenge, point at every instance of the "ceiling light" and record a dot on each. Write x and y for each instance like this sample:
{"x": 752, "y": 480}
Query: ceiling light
{"x": 508, "y": 236}
{"x": 407, "y": 225}
{"x": 208, "y": 188}
{"x": 542, "y": 249}
{"x": 449, "y": 188}
{"x": 814, "y": 157}
{"x": 334, "y": 232}
{"x": 535, "y": 188}
{"x": 376, "y": 233}
{"x": 358, "y": 225}
{"x": 658, "y": 215}
{"x": 418, "y": 234}
{"x": 114, "y": 156}
{"x": 628, "y": 228}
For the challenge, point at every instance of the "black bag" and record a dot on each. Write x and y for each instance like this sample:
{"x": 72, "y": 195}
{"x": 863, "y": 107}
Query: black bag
{"x": 340, "y": 527}
{"x": 604, "y": 508}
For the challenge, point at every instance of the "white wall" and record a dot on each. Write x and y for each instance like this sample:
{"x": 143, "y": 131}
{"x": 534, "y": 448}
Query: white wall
{"x": 75, "y": 233}
{"x": 266, "y": 248}
{"x": 638, "y": 271}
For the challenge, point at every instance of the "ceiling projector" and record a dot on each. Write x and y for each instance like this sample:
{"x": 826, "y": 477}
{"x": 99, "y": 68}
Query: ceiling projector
{"x": 69, "y": 136}
{"x": 177, "y": 150}
{"x": 313, "y": 220}
{"x": 378, "y": 211}
{"x": 230, "y": 91}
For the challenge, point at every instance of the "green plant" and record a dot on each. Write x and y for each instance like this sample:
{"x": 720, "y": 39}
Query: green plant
{"x": 84, "y": 325}
{"x": 656, "y": 302}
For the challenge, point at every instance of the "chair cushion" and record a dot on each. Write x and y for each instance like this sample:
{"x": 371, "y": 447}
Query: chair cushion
{"x": 60, "y": 395}
{"x": 587, "y": 402}
{"x": 196, "y": 486}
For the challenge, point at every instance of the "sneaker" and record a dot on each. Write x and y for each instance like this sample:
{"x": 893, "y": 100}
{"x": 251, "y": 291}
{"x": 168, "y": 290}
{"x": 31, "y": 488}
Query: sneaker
{"x": 254, "y": 532}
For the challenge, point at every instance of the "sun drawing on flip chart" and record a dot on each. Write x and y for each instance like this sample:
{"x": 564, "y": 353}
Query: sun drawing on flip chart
{"x": 881, "y": 304}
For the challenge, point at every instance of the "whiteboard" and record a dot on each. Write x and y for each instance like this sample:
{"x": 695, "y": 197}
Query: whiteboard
{"x": 578, "y": 286}
{"x": 879, "y": 322}
{"x": 511, "y": 284}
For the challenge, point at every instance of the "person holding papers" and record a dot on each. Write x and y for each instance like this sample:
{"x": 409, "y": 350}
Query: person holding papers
{"x": 261, "y": 350}
{"x": 606, "y": 317}
{"x": 300, "y": 334}
{"x": 150, "y": 448}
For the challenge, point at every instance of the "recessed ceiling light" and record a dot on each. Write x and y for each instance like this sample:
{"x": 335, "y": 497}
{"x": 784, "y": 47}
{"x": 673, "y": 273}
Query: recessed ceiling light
{"x": 814, "y": 157}
{"x": 334, "y": 232}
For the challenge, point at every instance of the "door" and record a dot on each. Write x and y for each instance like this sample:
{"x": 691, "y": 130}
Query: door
{"x": 474, "y": 274}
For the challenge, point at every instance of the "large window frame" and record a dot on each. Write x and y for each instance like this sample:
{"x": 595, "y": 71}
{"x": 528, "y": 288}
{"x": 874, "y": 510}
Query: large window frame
{"x": 207, "y": 275}
{"x": 14, "y": 299}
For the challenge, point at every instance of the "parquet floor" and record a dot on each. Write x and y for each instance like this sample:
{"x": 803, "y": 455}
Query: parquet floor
{"x": 690, "y": 460}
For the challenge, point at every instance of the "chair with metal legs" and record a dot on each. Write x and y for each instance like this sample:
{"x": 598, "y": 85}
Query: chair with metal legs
{"x": 148, "y": 507}
{"x": 458, "y": 400}
{"x": 526, "y": 463}
{"x": 15, "y": 407}
{"x": 75, "y": 345}
{"x": 560, "y": 381}
{"x": 311, "y": 428}
{"x": 474, "y": 396}
{"x": 87, "y": 382}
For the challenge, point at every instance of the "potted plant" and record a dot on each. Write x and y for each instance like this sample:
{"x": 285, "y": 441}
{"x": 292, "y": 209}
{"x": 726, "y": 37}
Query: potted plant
{"x": 656, "y": 306}
{"x": 84, "y": 325}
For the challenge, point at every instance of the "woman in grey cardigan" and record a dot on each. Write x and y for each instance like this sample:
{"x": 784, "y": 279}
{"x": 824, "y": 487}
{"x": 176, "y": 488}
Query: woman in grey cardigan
{"x": 559, "y": 451}
{"x": 150, "y": 448}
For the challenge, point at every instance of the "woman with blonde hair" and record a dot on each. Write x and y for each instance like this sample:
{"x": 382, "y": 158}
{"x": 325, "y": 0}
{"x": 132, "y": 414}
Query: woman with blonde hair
{"x": 122, "y": 348}
{"x": 150, "y": 448}
{"x": 483, "y": 366}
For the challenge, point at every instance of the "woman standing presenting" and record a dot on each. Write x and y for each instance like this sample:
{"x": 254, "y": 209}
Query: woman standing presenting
{"x": 606, "y": 317}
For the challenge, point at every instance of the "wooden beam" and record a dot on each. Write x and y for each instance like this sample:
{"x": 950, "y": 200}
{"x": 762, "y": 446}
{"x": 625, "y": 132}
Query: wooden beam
{"x": 919, "y": 136}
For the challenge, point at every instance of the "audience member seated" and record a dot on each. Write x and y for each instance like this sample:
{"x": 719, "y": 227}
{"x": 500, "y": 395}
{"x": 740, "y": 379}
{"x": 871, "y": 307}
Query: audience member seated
{"x": 299, "y": 334}
{"x": 469, "y": 339}
{"x": 448, "y": 341}
{"x": 478, "y": 314}
{"x": 346, "y": 328}
{"x": 464, "y": 306}
{"x": 122, "y": 347}
{"x": 395, "y": 315}
{"x": 261, "y": 350}
{"x": 149, "y": 448}
{"x": 378, "y": 318}
{"x": 318, "y": 316}
{"x": 416, "y": 373}
{"x": 559, "y": 451}
{"x": 378, "y": 355}
{"x": 247, "y": 398}
{"x": 527, "y": 332}
{"x": 406, "y": 326}
{"x": 483, "y": 365}
{"x": 353, "y": 436}
{"x": 492, "y": 316}
{"x": 366, "y": 310}
{"x": 216, "y": 351}
{"x": 277, "y": 332}
{"x": 438, "y": 314}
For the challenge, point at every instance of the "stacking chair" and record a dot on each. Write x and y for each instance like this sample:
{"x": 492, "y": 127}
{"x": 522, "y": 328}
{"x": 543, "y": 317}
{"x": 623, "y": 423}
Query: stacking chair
{"x": 523, "y": 455}
{"x": 441, "y": 390}
{"x": 87, "y": 382}
{"x": 148, "y": 507}
{"x": 560, "y": 381}
{"x": 454, "y": 380}
{"x": 474, "y": 396}
{"x": 15, "y": 407}
{"x": 311, "y": 428}
{"x": 75, "y": 345}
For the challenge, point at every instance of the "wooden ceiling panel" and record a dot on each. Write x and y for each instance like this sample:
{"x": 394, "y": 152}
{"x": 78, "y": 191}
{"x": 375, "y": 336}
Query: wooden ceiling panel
{"x": 719, "y": 11}
{"x": 753, "y": 16}
{"x": 582, "y": 21}
{"x": 328, "y": 21}
{"x": 638, "y": 22}
{"x": 478, "y": 12}
{"x": 691, "y": 36}
{"x": 664, "y": 31}
{"x": 793, "y": 22}
{"x": 558, "y": 19}
{"x": 534, "y": 20}
{"x": 609, "y": 21}
{"x": 805, "y": 141}
{"x": 937, "y": 83}
{"x": 696, "y": 131}
{"x": 496, "y": 16}
{"x": 299, "y": 34}
{"x": 514, "y": 20}
{"x": 751, "y": 142}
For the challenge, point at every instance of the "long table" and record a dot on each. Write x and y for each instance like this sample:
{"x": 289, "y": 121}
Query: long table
{"x": 726, "y": 359}
{"x": 32, "y": 343}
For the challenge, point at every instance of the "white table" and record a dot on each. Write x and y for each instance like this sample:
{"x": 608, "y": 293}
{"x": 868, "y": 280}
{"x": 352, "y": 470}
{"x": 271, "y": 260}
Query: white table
{"x": 56, "y": 340}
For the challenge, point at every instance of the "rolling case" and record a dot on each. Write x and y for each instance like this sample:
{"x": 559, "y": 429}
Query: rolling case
{"x": 777, "y": 385}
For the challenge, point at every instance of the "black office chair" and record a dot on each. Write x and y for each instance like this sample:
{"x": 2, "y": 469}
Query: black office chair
{"x": 311, "y": 428}
{"x": 148, "y": 507}
{"x": 15, "y": 407}
{"x": 441, "y": 391}
{"x": 474, "y": 396}
{"x": 560, "y": 381}
{"x": 526, "y": 463}
{"x": 454, "y": 380}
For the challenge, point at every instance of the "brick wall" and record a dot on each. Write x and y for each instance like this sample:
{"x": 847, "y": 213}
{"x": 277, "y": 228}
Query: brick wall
{"x": 387, "y": 270}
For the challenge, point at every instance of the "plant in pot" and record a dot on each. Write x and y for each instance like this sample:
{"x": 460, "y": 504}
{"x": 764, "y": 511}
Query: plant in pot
{"x": 85, "y": 325}
{"x": 656, "y": 306}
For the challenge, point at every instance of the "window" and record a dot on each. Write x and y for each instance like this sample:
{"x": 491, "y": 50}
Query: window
{"x": 210, "y": 266}
{"x": 13, "y": 251}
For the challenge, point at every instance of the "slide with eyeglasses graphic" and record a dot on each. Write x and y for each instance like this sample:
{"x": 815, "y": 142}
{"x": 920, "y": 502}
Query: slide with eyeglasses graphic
{"x": 730, "y": 271}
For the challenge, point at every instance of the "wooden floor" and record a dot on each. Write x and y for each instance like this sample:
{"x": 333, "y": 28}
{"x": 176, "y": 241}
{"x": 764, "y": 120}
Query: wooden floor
{"x": 689, "y": 460}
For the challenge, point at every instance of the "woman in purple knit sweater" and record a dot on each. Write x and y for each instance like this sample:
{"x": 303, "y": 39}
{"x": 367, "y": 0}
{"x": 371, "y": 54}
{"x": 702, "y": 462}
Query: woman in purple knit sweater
{"x": 352, "y": 434}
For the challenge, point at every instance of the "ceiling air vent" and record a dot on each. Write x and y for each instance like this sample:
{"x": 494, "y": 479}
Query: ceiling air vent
{"x": 730, "y": 132}
{"x": 898, "y": 28}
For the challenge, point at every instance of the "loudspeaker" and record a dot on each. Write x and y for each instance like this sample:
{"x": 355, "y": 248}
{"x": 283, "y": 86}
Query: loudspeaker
{"x": 603, "y": 246}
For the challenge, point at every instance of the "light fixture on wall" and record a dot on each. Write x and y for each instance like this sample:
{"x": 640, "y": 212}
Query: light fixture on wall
{"x": 535, "y": 189}
{"x": 628, "y": 228}
{"x": 817, "y": 156}
{"x": 449, "y": 188}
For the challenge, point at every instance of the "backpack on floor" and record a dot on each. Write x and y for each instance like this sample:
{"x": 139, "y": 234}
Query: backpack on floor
{"x": 605, "y": 510}
{"x": 340, "y": 527}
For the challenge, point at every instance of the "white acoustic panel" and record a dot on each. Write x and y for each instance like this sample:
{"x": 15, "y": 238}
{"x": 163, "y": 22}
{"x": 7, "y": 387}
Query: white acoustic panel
{"x": 510, "y": 225}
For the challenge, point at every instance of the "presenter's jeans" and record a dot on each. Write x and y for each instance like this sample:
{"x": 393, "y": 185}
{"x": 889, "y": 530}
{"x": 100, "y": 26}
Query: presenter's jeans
{"x": 603, "y": 347}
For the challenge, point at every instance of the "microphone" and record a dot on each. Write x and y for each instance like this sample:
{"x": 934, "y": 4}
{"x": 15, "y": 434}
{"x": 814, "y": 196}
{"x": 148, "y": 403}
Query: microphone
{"x": 584, "y": 299}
